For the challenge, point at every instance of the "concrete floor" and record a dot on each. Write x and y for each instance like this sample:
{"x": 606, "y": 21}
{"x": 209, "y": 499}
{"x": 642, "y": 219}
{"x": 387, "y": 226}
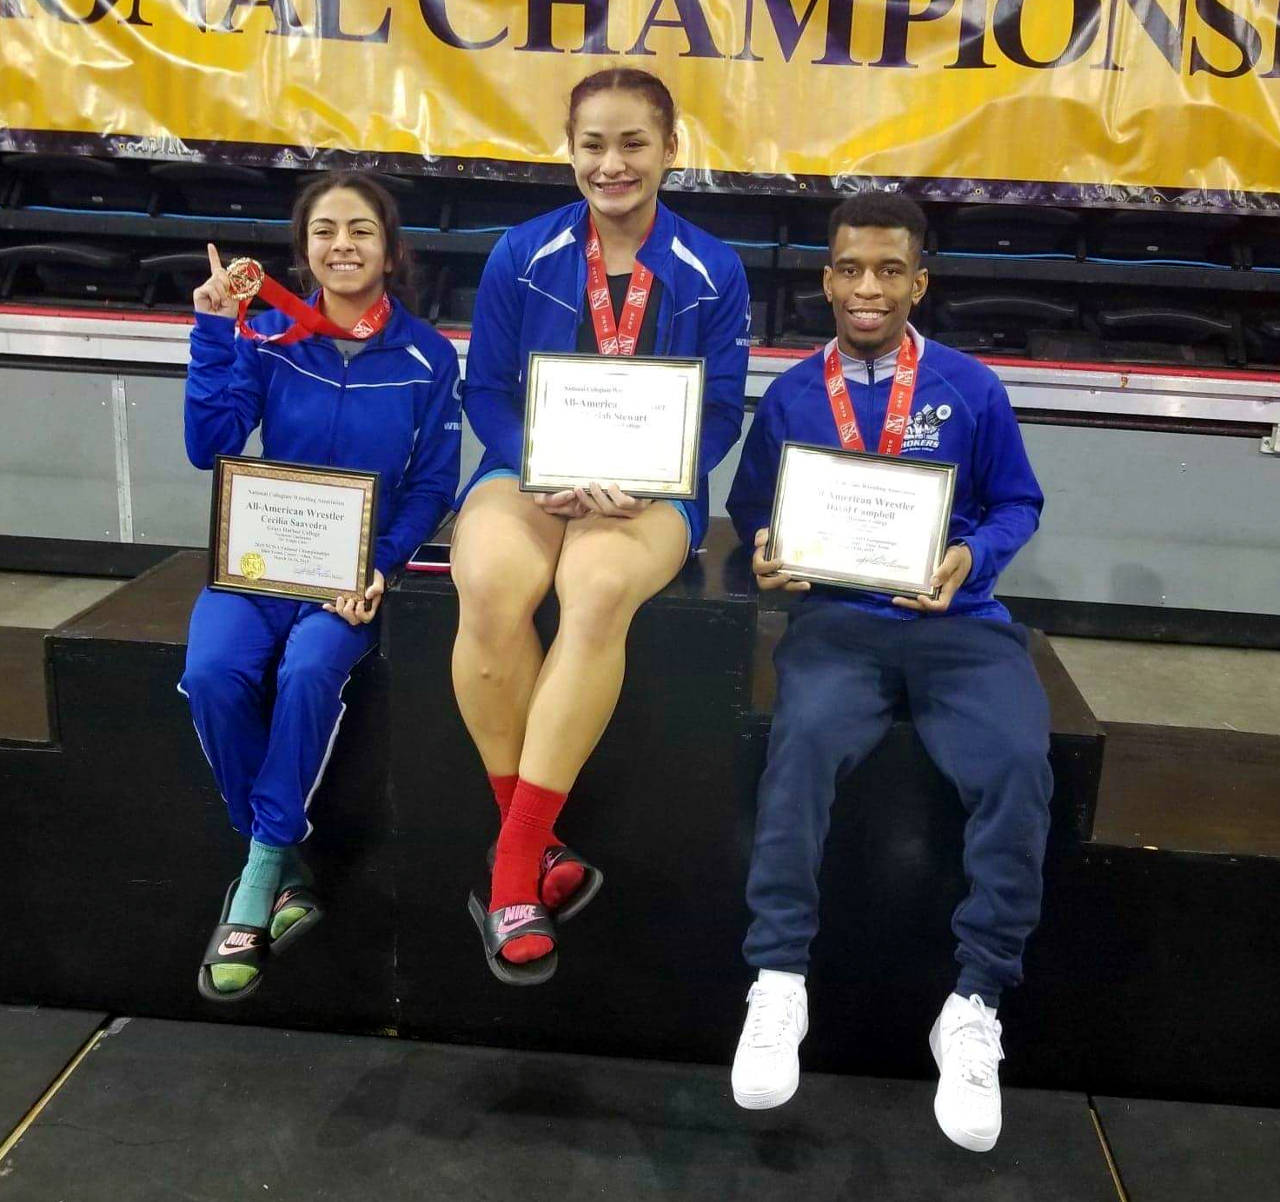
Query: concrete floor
{"x": 1167, "y": 684}
{"x": 1158, "y": 683}
{"x": 43, "y": 602}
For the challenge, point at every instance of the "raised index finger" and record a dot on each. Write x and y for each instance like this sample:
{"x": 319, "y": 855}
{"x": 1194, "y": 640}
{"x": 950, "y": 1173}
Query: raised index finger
{"x": 215, "y": 263}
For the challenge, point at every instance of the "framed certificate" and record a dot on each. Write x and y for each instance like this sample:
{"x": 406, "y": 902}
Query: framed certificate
{"x": 849, "y": 518}
{"x": 288, "y": 530}
{"x": 634, "y": 422}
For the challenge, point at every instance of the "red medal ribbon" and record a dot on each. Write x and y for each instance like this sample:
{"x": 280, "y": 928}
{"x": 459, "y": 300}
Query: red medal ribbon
{"x": 611, "y": 338}
{"x": 249, "y": 280}
{"x": 900, "y": 396}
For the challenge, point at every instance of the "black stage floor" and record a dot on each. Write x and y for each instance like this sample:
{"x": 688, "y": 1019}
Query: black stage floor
{"x": 162, "y": 1110}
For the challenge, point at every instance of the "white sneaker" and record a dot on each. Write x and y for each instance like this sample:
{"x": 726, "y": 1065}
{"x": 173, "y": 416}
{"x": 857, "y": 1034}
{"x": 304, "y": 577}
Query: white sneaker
{"x": 766, "y": 1067}
{"x": 966, "y": 1047}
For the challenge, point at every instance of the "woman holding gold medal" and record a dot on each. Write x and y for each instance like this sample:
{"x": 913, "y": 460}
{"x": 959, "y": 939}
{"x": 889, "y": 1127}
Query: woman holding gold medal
{"x": 355, "y": 381}
{"x": 657, "y": 286}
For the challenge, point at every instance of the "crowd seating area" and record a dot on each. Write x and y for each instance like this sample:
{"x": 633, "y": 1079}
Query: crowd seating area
{"x": 1050, "y": 284}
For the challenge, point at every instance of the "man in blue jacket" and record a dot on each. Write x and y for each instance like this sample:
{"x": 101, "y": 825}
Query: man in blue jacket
{"x": 848, "y": 657}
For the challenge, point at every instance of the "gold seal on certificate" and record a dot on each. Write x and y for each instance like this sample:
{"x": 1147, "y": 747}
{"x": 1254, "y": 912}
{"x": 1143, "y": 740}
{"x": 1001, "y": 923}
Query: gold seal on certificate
{"x": 252, "y": 566}
{"x": 873, "y": 522}
{"x": 287, "y": 530}
{"x": 634, "y": 422}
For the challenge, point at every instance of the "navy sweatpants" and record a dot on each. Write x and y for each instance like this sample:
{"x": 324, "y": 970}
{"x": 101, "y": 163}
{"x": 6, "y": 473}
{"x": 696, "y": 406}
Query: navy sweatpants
{"x": 267, "y": 761}
{"x": 981, "y": 713}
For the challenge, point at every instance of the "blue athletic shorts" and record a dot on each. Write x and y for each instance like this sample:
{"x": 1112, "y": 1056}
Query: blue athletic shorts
{"x": 683, "y": 508}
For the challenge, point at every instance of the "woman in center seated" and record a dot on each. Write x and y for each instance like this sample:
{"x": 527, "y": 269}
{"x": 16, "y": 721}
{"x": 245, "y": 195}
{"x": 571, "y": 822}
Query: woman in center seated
{"x": 535, "y": 720}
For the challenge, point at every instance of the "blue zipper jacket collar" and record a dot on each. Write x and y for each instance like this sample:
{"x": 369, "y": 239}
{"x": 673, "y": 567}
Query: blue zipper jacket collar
{"x": 660, "y": 252}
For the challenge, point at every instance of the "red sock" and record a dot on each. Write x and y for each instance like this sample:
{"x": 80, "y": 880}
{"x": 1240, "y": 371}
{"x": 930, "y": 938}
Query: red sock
{"x": 562, "y": 882}
{"x": 503, "y": 787}
{"x": 526, "y": 832}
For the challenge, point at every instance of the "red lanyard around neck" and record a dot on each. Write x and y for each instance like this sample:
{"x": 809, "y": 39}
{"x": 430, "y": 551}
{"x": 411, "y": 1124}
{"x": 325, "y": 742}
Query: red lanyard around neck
{"x": 900, "y": 396}
{"x": 248, "y": 280}
{"x": 615, "y": 338}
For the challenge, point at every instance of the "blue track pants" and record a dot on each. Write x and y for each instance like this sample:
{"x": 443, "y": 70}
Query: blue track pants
{"x": 982, "y": 715}
{"x": 268, "y": 754}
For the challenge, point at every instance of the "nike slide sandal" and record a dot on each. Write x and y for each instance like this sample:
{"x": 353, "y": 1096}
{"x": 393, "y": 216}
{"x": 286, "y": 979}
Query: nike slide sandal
{"x": 557, "y": 853}
{"x": 580, "y": 898}
{"x": 512, "y": 922}
{"x": 295, "y": 897}
{"x": 232, "y": 943}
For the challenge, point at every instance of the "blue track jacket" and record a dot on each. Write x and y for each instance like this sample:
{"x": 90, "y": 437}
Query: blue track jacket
{"x": 960, "y": 414}
{"x": 532, "y": 298}
{"x": 393, "y": 409}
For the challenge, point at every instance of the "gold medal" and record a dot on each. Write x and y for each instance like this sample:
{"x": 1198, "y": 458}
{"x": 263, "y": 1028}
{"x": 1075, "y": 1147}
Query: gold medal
{"x": 245, "y": 278}
{"x": 252, "y": 566}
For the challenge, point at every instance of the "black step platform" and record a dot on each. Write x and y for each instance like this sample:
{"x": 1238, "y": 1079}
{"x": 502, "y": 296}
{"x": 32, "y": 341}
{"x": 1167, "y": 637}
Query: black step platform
{"x": 119, "y": 819}
{"x": 1188, "y": 789}
{"x": 163, "y": 1110}
{"x": 24, "y": 701}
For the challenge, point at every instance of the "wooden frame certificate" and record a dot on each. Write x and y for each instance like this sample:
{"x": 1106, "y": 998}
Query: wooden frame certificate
{"x": 849, "y": 518}
{"x": 288, "y": 530}
{"x": 612, "y": 420}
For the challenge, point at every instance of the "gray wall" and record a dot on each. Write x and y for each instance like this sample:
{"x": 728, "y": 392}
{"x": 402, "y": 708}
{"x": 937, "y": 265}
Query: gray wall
{"x": 1179, "y": 520}
{"x": 57, "y": 455}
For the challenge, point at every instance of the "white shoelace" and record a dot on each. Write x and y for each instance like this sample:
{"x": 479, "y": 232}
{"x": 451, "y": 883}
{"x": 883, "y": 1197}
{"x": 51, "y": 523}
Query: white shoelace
{"x": 769, "y": 1013}
{"x": 977, "y": 1044}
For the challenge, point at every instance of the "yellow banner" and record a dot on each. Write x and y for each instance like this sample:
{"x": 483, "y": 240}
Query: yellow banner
{"x": 971, "y": 98}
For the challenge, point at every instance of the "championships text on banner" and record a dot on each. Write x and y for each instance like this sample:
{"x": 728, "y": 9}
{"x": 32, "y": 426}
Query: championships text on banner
{"x": 1159, "y": 94}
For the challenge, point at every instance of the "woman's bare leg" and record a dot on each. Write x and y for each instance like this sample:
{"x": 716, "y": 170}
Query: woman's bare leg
{"x": 503, "y": 561}
{"x": 608, "y": 568}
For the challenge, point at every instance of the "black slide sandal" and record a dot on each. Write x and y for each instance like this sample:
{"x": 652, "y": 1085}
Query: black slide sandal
{"x": 301, "y": 896}
{"x": 555, "y": 854}
{"x": 592, "y": 879}
{"x": 232, "y": 943}
{"x": 511, "y": 922}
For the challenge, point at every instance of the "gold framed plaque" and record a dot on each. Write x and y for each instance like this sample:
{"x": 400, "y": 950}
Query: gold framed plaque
{"x": 858, "y": 520}
{"x": 635, "y": 422}
{"x": 291, "y": 530}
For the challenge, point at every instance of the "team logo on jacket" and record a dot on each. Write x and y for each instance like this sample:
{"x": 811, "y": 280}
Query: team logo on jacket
{"x": 923, "y": 432}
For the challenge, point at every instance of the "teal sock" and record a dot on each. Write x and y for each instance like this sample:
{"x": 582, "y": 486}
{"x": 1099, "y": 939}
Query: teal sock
{"x": 296, "y": 874}
{"x": 251, "y": 906}
{"x": 259, "y": 884}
